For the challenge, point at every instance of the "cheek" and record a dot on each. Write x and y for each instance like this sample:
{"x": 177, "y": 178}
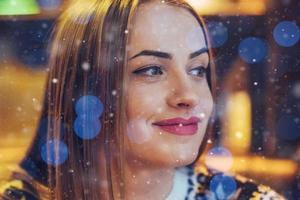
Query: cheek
{"x": 143, "y": 100}
{"x": 205, "y": 105}
{"x": 137, "y": 131}
{"x": 209, "y": 103}
{"x": 141, "y": 106}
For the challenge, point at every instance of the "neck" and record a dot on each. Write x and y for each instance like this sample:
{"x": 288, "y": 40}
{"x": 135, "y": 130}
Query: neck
{"x": 145, "y": 182}
{"x": 142, "y": 181}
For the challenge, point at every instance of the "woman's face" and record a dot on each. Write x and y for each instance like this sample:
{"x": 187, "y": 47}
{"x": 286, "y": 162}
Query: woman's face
{"x": 168, "y": 98}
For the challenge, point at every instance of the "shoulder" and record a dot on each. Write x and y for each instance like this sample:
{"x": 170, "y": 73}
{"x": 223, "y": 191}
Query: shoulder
{"x": 205, "y": 184}
{"x": 21, "y": 187}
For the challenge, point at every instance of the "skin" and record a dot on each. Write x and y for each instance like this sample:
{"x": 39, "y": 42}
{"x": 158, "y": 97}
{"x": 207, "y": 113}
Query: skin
{"x": 169, "y": 88}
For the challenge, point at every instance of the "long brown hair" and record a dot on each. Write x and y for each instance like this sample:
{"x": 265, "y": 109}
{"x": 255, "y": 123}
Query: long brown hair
{"x": 93, "y": 32}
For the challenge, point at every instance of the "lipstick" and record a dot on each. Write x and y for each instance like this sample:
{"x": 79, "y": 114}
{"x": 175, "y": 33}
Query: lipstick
{"x": 179, "y": 126}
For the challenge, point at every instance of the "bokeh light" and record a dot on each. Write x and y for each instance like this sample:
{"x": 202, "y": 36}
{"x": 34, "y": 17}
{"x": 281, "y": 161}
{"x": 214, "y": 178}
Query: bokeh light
{"x": 222, "y": 186}
{"x": 216, "y": 154}
{"x": 218, "y": 33}
{"x": 43, "y": 129}
{"x": 54, "y": 152}
{"x": 253, "y": 50}
{"x": 286, "y": 33}
{"x": 18, "y": 7}
{"x": 86, "y": 127}
{"x": 89, "y": 105}
{"x": 288, "y": 127}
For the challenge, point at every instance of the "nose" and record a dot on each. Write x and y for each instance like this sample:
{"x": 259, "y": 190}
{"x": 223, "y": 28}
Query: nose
{"x": 183, "y": 95}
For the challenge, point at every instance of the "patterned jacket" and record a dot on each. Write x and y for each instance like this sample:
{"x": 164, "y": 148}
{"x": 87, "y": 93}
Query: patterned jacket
{"x": 189, "y": 184}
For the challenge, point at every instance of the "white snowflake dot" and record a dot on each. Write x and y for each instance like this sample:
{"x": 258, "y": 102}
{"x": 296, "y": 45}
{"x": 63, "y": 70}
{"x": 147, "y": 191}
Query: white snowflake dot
{"x": 114, "y": 92}
{"x": 202, "y": 115}
{"x": 85, "y": 66}
{"x": 55, "y": 80}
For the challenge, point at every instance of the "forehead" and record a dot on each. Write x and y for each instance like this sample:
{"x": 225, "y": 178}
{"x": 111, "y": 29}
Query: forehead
{"x": 163, "y": 27}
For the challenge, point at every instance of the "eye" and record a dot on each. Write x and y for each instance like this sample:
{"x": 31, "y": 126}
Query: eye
{"x": 151, "y": 70}
{"x": 199, "y": 71}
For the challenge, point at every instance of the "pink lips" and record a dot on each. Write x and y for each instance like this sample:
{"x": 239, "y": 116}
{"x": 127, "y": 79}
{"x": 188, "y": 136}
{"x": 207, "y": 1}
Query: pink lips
{"x": 179, "y": 126}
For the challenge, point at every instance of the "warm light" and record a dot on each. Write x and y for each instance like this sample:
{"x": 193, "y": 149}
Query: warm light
{"x": 21, "y": 93}
{"x": 254, "y": 165}
{"x": 228, "y": 7}
{"x": 237, "y": 123}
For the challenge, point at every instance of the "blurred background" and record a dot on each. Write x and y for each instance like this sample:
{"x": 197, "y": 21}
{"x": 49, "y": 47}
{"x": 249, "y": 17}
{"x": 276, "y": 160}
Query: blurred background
{"x": 257, "y": 116}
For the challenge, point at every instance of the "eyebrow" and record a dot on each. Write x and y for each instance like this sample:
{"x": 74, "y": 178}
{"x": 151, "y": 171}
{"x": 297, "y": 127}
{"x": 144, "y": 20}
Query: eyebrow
{"x": 199, "y": 52}
{"x": 153, "y": 53}
{"x": 167, "y": 55}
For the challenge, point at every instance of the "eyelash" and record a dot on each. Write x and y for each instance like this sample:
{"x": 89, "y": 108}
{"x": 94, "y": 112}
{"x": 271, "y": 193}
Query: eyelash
{"x": 144, "y": 70}
{"x": 203, "y": 71}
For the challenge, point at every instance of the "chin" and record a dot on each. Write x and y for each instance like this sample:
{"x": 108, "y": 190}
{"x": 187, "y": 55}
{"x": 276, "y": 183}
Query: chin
{"x": 172, "y": 163}
{"x": 186, "y": 157}
{"x": 186, "y": 161}
{"x": 180, "y": 159}
{"x": 164, "y": 153}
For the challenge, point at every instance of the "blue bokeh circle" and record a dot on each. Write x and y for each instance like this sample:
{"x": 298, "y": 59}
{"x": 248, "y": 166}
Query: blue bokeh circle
{"x": 286, "y": 33}
{"x": 216, "y": 152}
{"x": 54, "y": 152}
{"x": 43, "y": 128}
{"x": 253, "y": 50}
{"x": 222, "y": 186}
{"x": 218, "y": 33}
{"x": 89, "y": 105}
{"x": 86, "y": 127}
{"x": 219, "y": 151}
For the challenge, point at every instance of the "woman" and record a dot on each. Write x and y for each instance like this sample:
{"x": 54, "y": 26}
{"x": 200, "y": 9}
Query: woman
{"x": 128, "y": 101}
